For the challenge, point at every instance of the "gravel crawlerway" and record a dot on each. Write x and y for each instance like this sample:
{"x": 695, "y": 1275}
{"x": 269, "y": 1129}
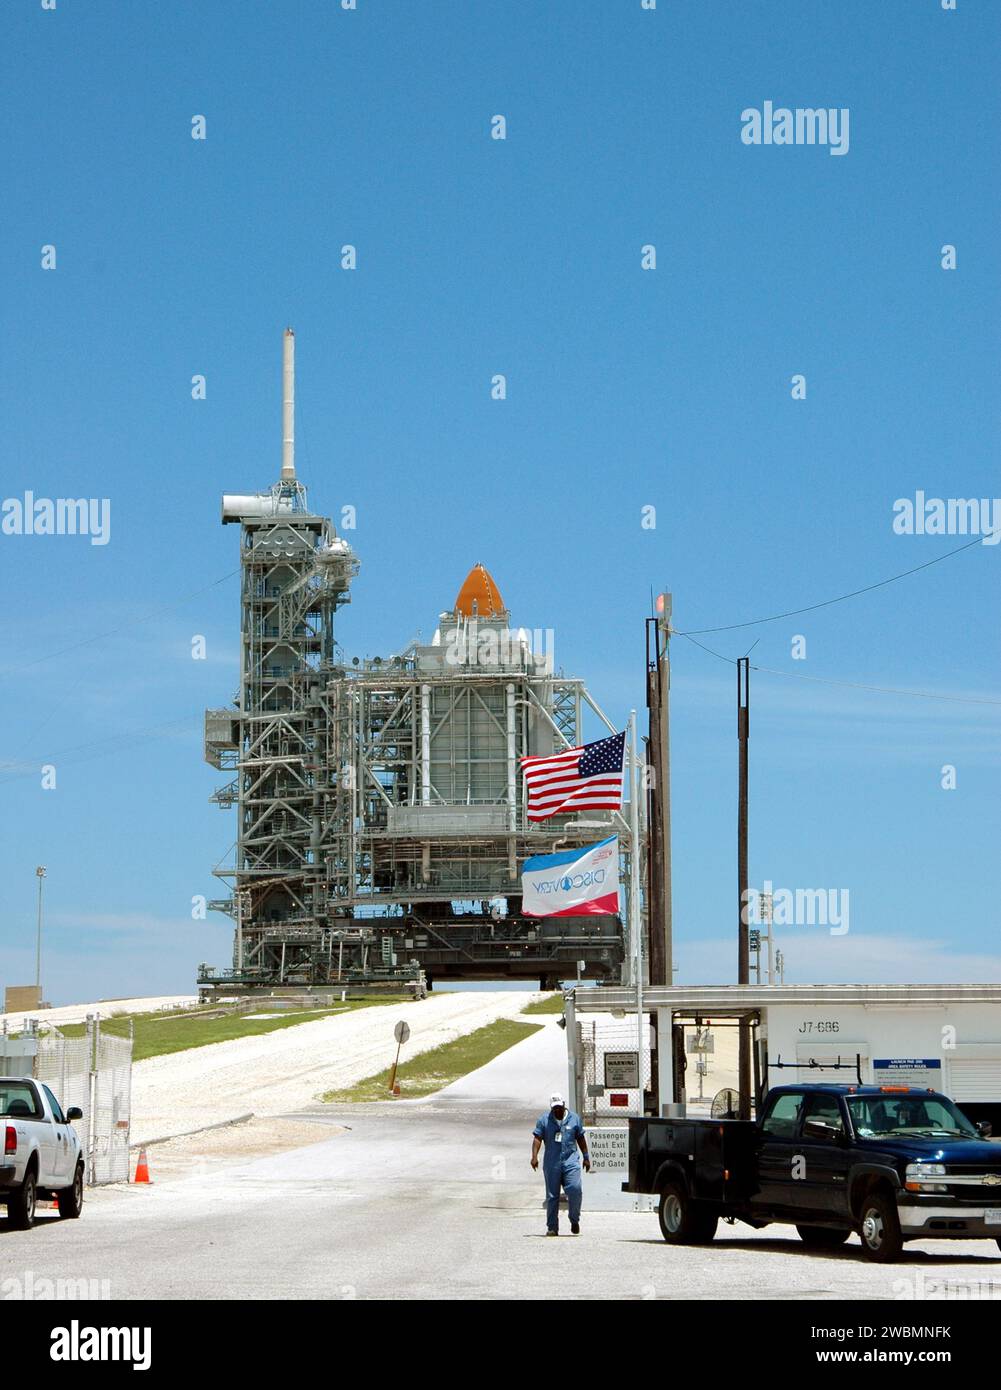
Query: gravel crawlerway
{"x": 107, "y": 1008}
{"x": 274, "y": 1073}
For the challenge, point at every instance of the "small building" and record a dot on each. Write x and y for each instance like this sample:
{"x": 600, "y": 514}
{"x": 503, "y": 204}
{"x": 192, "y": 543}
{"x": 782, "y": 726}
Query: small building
{"x": 945, "y": 1037}
{"x": 22, "y": 999}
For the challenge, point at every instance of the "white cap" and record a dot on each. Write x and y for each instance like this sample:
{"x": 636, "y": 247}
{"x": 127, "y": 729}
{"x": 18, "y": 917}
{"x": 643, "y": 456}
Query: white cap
{"x": 556, "y": 1099}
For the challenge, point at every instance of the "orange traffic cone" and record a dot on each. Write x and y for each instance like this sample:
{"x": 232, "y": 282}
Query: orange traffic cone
{"x": 142, "y": 1168}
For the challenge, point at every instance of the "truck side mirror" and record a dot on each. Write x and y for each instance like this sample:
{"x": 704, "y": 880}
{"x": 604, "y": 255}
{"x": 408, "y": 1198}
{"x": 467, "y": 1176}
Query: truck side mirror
{"x": 985, "y": 1129}
{"x": 74, "y": 1113}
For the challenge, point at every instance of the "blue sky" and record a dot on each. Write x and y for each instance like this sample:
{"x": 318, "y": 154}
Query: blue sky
{"x": 626, "y": 388}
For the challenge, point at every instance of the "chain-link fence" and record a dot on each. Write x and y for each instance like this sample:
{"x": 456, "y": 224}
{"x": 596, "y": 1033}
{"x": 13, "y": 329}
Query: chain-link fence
{"x": 94, "y": 1072}
{"x": 613, "y": 1067}
{"x": 112, "y": 1109}
{"x": 64, "y": 1065}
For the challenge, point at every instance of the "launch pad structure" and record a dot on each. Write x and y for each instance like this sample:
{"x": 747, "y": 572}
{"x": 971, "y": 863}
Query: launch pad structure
{"x": 381, "y": 821}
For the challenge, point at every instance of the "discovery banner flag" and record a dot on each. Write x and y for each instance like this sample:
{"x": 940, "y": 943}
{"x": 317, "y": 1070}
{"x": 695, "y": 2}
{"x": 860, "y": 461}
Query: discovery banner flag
{"x": 571, "y": 884}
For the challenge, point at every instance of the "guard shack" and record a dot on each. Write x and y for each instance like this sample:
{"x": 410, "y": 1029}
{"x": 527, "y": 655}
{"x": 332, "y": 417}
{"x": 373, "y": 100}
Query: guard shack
{"x": 626, "y": 1055}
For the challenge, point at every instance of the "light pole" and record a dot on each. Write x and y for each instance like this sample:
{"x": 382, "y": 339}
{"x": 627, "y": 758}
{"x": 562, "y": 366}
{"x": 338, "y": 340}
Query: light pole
{"x": 40, "y": 873}
{"x": 766, "y": 905}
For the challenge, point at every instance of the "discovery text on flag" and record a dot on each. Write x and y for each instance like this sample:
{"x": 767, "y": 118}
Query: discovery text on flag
{"x": 574, "y": 883}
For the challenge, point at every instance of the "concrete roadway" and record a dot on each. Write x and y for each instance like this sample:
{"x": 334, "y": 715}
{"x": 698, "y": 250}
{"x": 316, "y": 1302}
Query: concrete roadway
{"x": 435, "y": 1200}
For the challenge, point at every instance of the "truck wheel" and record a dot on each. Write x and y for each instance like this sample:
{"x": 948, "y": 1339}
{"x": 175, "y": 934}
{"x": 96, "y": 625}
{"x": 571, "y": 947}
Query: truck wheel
{"x": 683, "y": 1222}
{"x": 21, "y": 1203}
{"x": 70, "y": 1199}
{"x": 879, "y": 1227}
{"x": 822, "y": 1237}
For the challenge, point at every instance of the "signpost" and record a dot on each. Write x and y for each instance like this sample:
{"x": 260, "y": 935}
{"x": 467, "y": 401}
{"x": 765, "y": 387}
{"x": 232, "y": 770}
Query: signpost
{"x": 401, "y": 1033}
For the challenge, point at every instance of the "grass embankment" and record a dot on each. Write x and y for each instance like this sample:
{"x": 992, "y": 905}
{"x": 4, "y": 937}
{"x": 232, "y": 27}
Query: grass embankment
{"x": 157, "y": 1034}
{"x": 552, "y": 1004}
{"x": 430, "y": 1071}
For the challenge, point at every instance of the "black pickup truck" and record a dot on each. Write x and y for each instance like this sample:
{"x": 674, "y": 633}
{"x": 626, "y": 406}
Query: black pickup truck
{"x": 892, "y": 1163}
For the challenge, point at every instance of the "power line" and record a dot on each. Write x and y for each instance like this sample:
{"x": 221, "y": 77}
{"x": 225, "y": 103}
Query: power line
{"x": 731, "y": 660}
{"x": 812, "y": 607}
{"x": 882, "y": 689}
{"x": 112, "y": 632}
{"x": 15, "y": 769}
{"x": 851, "y": 685}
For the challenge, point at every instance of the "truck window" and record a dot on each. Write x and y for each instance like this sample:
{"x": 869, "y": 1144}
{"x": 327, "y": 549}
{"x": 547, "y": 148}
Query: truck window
{"x": 826, "y": 1109}
{"x": 19, "y": 1101}
{"x": 57, "y": 1113}
{"x": 783, "y": 1118}
{"x": 914, "y": 1116}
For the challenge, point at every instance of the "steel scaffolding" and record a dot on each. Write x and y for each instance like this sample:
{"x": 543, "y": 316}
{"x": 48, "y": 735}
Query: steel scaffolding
{"x": 381, "y": 823}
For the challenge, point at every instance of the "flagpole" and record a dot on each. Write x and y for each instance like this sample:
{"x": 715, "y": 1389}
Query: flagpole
{"x": 635, "y": 924}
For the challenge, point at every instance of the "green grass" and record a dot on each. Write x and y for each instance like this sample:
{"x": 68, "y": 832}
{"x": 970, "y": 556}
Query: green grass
{"x": 157, "y": 1034}
{"x": 430, "y": 1071}
{"x": 552, "y": 1004}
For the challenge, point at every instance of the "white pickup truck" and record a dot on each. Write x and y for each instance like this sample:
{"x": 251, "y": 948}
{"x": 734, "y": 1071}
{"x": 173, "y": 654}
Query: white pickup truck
{"x": 41, "y": 1151}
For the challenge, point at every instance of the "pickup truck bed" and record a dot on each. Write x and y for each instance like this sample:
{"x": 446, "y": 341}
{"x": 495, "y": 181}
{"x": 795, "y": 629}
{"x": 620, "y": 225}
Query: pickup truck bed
{"x": 717, "y": 1156}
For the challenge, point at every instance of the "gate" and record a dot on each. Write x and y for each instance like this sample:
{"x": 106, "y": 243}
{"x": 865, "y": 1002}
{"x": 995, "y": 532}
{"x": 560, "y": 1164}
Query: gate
{"x": 613, "y": 1069}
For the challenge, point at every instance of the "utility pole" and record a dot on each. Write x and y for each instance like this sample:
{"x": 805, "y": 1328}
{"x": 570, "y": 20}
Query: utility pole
{"x": 658, "y": 743}
{"x": 743, "y": 957}
{"x": 40, "y": 872}
{"x": 658, "y": 695}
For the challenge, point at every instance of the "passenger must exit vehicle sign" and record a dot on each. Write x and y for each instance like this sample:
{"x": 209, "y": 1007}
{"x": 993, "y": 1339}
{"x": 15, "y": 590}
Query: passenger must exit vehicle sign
{"x": 907, "y": 1071}
{"x": 622, "y": 1069}
{"x": 609, "y": 1149}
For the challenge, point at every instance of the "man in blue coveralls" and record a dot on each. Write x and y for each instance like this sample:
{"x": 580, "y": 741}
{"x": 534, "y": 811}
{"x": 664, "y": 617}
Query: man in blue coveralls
{"x": 562, "y": 1132}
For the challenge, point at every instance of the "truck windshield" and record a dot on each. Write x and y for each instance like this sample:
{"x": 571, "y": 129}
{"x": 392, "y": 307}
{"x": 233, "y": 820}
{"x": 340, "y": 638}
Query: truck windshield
{"x": 18, "y": 1099}
{"x": 911, "y": 1116}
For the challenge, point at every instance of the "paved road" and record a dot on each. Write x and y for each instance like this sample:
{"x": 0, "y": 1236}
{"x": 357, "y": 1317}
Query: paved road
{"x": 435, "y": 1200}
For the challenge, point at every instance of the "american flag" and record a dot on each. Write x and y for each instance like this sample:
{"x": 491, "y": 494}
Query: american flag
{"x": 576, "y": 779}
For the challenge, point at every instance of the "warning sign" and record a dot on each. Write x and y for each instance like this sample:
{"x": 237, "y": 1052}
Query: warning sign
{"x": 622, "y": 1069}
